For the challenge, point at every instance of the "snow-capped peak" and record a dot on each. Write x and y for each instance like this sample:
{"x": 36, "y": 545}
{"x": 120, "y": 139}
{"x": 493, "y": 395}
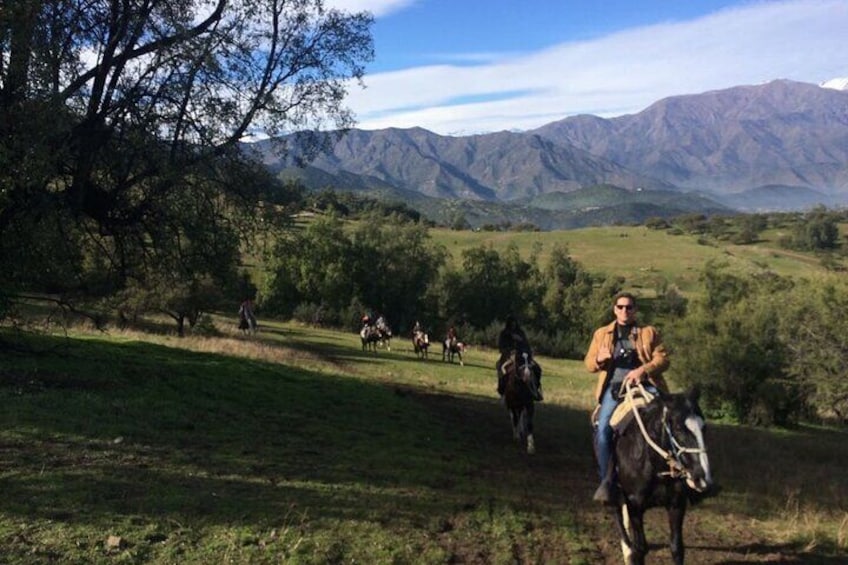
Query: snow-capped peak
{"x": 836, "y": 84}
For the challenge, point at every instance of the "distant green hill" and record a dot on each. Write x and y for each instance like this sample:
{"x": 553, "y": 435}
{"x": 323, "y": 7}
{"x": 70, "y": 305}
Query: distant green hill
{"x": 643, "y": 256}
{"x": 605, "y": 195}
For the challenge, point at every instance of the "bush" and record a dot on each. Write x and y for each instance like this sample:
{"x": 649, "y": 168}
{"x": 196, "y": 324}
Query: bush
{"x": 775, "y": 403}
{"x": 205, "y": 327}
{"x": 316, "y": 315}
{"x": 657, "y": 223}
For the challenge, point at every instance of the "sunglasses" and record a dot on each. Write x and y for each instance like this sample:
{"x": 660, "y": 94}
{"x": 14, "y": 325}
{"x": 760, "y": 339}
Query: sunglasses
{"x": 624, "y": 306}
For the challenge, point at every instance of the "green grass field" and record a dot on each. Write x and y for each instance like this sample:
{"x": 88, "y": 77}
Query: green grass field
{"x": 294, "y": 446}
{"x": 644, "y": 257}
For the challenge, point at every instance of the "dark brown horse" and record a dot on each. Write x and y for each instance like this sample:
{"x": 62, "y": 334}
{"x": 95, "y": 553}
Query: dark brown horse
{"x": 518, "y": 397}
{"x": 661, "y": 460}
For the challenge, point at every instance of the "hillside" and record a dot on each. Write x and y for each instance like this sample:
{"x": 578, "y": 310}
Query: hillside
{"x": 643, "y": 256}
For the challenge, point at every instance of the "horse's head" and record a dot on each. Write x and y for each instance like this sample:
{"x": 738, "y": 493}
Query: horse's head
{"x": 684, "y": 425}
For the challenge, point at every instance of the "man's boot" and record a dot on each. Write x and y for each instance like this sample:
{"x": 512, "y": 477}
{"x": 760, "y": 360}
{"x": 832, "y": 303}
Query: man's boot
{"x": 603, "y": 494}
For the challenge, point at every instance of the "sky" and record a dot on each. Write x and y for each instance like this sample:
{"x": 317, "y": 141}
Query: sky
{"x": 463, "y": 67}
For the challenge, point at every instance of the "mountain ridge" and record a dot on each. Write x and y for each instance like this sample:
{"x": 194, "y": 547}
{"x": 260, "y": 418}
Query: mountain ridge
{"x": 745, "y": 147}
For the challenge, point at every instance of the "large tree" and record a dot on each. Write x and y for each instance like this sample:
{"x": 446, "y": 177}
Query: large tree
{"x": 121, "y": 124}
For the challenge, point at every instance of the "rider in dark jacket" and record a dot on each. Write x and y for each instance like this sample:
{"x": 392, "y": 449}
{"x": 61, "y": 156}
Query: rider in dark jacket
{"x": 513, "y": 339}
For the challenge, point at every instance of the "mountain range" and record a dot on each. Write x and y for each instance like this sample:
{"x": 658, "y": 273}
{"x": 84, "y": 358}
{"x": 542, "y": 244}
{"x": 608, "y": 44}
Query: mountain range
{"x": 782, "y": 145}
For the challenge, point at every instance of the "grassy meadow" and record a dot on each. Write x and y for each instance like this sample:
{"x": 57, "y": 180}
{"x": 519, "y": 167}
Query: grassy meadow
{"x": 295, "y": 446}
{"x": 644, "y": 256}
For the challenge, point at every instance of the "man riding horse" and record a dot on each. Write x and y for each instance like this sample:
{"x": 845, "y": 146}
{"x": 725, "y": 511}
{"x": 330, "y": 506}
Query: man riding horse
{"x": 622, "y": 352}
{"x": 420, "y": 340}
{"x": 513, "y": 341}
{"x": 247, "y": 319}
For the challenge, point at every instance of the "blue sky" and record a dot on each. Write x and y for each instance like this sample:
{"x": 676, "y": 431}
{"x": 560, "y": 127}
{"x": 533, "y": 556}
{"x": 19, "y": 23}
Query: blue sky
{"x": 459, "y": 67}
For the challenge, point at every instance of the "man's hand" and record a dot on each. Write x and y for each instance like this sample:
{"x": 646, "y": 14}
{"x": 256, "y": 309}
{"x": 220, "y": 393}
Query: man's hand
{"x": 603, "y": 356}
{"x": 634, "y": 377}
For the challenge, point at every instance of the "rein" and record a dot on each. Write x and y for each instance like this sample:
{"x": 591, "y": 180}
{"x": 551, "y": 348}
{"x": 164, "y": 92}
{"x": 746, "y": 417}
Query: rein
{"x": 676, "y": 468}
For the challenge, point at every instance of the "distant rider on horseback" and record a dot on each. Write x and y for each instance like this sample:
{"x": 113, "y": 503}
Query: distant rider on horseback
{"x": 451, "y": 338}
{"x": 512, "y": 340}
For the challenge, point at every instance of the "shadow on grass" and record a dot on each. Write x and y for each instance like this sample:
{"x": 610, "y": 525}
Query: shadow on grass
{"x": 96, "y": 431}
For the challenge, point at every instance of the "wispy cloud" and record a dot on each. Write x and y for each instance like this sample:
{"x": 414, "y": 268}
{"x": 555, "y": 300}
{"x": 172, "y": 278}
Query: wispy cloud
{"x": 620, "y": 73}
{"x": 376, "y": 7}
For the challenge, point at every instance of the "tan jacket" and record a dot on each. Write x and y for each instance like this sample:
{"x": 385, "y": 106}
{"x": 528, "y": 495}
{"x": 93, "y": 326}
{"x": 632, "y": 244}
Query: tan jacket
{"x": 648, "y": 345}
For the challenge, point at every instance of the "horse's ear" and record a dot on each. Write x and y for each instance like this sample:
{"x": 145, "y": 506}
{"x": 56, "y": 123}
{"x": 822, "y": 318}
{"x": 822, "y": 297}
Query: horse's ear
{"x": 663, "y": 396}
{"x": 694, "y": 393}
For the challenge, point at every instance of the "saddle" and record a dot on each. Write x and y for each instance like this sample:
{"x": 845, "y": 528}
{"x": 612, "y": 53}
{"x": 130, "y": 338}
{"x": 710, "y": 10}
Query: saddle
{"x": 623, "y": 413}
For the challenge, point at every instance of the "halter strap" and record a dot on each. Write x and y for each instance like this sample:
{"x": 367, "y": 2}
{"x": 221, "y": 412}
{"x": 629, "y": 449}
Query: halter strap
{"x": 676, "y": 468}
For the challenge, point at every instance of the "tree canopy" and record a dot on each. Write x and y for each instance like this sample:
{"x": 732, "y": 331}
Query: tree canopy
{"x": 121, "y": 128}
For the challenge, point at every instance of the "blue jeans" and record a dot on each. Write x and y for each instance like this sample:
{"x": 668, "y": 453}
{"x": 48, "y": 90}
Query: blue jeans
{"x": 604, "y": 433}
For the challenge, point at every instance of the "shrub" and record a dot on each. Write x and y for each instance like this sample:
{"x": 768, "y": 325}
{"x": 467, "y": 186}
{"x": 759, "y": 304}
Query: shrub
{"x": 205, "y": 327}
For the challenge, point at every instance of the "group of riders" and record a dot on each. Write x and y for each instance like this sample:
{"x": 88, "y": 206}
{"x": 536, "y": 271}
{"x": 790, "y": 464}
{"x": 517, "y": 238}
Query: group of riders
{"x": 512, "y": 344}
{"x": 375, "y": 329}
{"x": 622, "y": 353}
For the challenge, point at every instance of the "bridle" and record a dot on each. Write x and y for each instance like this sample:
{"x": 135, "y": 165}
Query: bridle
{"x": 672, "y": 457}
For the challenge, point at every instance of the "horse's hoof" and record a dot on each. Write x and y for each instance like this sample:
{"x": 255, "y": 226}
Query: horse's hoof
{"x": 531, "y": 445}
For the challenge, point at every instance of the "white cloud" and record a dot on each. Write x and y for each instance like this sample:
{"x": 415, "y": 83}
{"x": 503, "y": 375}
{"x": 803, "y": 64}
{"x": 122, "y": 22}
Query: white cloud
{"x": 376, "y": 7}
{"x": 620, "y": 73}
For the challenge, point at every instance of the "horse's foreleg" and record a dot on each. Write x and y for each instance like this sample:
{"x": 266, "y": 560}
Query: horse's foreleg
{"x": 531, "y": 444}
{"x": 625, "y": 532}
{"x": 639, "y": 544}
{"x": 675, "y": 524}
{"x": 514, "y": 420}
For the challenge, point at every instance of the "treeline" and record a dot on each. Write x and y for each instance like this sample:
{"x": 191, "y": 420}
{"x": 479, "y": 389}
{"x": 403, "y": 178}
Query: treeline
{"x": 331, "y": 271}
